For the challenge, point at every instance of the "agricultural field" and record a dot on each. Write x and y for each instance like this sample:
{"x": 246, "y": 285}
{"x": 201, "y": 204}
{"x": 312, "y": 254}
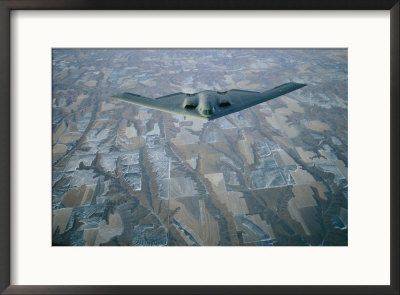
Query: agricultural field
{"x": 274, "y": 174}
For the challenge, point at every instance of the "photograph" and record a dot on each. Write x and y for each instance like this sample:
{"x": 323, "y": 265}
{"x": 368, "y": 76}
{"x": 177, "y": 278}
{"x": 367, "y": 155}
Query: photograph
{"x": 199, "y": 147}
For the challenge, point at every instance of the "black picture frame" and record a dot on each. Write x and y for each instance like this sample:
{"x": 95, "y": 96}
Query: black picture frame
{"x": 6, "y": 6}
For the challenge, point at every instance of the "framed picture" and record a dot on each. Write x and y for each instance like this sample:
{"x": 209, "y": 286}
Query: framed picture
{"x": 260, "y": 136}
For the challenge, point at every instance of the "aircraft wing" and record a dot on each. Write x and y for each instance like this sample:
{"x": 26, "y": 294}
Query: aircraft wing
{"x": 237, "y": 100}
{"x": 172, "y": 103}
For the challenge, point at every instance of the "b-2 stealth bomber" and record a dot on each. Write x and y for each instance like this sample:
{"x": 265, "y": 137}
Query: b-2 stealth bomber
{"x": 209, "y": 105}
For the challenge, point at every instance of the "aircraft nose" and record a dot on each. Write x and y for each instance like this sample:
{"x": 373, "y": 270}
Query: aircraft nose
{"x": 206, "y": 104}
{"x": 207, "y": 111}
